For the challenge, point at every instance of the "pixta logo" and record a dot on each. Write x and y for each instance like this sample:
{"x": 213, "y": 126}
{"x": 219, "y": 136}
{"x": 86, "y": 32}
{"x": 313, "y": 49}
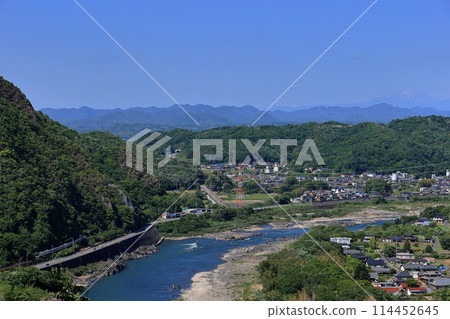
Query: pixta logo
{"x": 145, "y": 138}
{"x": 253, "y": 149}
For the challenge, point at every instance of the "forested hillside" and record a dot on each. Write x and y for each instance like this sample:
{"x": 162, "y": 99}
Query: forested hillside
{"x": 408, "y": 143}
{"x": 56, "y": 184}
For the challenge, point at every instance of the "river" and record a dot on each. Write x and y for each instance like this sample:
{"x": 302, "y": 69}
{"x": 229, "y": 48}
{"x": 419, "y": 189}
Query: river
{"x": 151, "y": 278}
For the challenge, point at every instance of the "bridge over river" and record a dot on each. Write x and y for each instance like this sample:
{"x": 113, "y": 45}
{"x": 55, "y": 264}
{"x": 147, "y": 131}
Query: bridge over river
{"x": 211, "y": 195}
{"x": 106, "y": 250}
{"x": 150, "y": 236}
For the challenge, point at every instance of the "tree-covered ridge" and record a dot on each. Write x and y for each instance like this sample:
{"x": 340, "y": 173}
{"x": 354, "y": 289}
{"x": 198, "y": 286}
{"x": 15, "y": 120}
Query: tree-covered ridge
{"x": 13, "y": 94}
{"x": 52, "y": 188}
{"x": 412, "y": 142}
{"x": 148, "y": 193}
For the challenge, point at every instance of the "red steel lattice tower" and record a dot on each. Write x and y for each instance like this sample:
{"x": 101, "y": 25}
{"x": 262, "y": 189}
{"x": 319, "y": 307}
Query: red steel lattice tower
{"x": 240, "y": 189}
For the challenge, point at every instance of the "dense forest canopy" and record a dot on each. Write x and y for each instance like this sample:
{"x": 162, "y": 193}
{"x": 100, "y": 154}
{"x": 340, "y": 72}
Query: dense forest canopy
{"x": 418, "y": 145}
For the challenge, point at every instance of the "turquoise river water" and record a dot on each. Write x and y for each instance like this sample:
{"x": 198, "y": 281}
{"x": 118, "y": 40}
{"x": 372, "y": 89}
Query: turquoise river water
{"x": 151, "y": 278}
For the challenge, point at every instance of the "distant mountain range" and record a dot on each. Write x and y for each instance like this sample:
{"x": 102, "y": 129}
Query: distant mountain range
{"x": 404, "y": 99}
{"x": 127, "y": 122}
{"x": 410, "y": 99}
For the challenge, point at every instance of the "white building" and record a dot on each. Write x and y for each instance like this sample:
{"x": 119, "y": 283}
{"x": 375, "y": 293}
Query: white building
{"x": 276, "y": 168}
{"x": 341, "y": 240}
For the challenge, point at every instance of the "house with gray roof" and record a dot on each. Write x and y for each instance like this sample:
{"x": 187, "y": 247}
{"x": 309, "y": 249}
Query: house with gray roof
{"x": 350, "y": 251}
{"x": 411, "y": 267}
{"x": 429, "y": 273}
{"x": 439, "y": 283}
{"x": 360, "y": 256}
{"x": 402, "y": 276}
{"x": 419, "y": 261}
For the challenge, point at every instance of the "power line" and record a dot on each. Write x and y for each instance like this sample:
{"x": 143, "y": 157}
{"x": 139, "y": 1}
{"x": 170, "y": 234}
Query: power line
{"x": 134, "y": 60}
{"x": 315, "y": 241}
{"x": 315, "y": 61}
{"x": 134, "y": 242}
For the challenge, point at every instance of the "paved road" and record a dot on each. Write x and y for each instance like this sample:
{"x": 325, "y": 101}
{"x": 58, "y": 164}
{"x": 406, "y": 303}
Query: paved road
{"x": 435, "y": 244}
{"x": 388, "y": 262}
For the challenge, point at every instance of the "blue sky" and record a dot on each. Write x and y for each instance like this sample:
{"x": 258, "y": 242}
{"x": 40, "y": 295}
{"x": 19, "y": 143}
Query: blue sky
{"x": 223, "y": 52}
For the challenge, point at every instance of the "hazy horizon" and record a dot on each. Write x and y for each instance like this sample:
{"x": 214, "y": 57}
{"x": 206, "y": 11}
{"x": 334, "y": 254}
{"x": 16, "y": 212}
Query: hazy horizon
{"x": 365, "y": 103}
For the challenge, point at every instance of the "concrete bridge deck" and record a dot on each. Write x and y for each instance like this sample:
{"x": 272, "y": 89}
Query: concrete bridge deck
{"x": 212, "y": 196}
{"x": 106, "y": 250}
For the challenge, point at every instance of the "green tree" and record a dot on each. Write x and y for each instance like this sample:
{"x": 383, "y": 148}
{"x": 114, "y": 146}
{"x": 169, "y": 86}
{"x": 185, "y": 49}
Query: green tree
{"x": 445, "y": 241}
{"x": 389, "y": 251}
{"x": 431, "y": 212}
{"x": 379, "y": 200}
{"x": 372, "y": 244}
{"x": 283, "y": 199}
{"x": 412, "y": 282}
{"x": 442, "y": 294}
{"x": 218, "y": 182}
{"x": 361, "y": 272}
{"x": 428, "y": 249}
{"x": 406, "y": 246}
{"x": 426, "y": 182}
{"x": 33, "y": 284}
{"x": 290, "y": 280}
{"x": 378, "y": 185}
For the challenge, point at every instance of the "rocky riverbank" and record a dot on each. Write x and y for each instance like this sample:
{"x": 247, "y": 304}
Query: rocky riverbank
{"x": 238, "y": 234}
{"x": 368, "y": 215}
{"x": 230, "y": 280}
{"x": 364, "y": 216}
{"x": 231, "y": 235}
{"x": 226, "y": 281}
{"x": 87, "y": 274}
